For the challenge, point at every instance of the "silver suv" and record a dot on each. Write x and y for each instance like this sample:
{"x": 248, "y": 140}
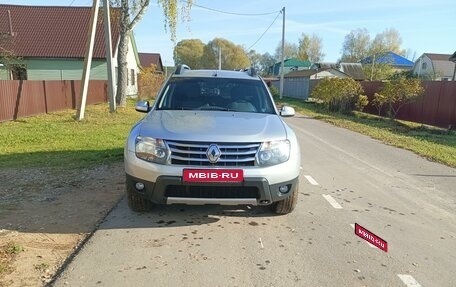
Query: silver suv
{"x": 212, "y": 137}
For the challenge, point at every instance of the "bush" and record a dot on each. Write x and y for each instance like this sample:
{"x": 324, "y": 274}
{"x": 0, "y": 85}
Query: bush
{"x": 395, "y": 94}
{"x": 339, "y": 95}
{"x": 361, "y": 103}
{"x": 274, "y": 92}
{"x": 149, "y": 82}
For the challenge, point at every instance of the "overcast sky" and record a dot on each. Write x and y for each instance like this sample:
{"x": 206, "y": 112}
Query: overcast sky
{"x": 426, "y": 26}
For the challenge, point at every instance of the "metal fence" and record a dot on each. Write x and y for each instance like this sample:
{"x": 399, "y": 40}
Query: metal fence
{"x": 26, "y": 98}
{"x": 437, "y": 107}
{"x": 299, "y": 88}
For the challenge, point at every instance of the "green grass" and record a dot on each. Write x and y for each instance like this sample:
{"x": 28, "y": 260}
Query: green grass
{"x": 58, "y": 140}
{"x": 7, "y": 255}
{"x": 432, "y": 143}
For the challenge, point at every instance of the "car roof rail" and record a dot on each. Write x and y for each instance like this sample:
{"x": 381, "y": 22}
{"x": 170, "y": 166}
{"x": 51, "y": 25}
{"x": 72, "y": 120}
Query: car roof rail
{"x": 181, "y": 69}
{"x": 250, "y": 71}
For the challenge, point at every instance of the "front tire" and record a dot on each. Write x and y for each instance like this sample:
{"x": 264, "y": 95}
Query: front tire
{"x": 136, "y": 202}
{"x": 288, "y": 204}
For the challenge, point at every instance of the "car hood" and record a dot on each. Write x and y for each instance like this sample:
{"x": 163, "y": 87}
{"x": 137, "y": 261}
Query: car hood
{"x": 213, "y": 126}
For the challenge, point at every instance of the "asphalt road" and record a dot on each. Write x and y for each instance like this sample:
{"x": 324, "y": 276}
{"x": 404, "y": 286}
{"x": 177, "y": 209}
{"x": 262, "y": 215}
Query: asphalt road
{"x": 347, "y": 178}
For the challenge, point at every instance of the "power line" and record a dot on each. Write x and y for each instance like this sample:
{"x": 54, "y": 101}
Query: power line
{"x": 265, "y": 31}
{"x": 230, "y": 13}
{"x": 71, "y": 3}
{"x": 241, "y": 14}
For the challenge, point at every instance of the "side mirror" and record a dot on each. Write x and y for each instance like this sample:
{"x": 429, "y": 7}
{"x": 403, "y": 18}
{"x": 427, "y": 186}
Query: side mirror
{"x": 142, "y": 106}
{"x": 287, "y": 111}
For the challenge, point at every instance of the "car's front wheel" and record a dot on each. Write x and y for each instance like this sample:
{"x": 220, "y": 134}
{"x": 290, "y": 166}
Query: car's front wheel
{"x": 288, "y": 204}
{"x": 136, "y": 202}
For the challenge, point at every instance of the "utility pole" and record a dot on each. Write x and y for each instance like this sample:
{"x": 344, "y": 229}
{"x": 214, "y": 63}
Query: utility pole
{"x": 283, "y": 53}
{"x": 219, "y": 58}
{"x": 88, "y": 58}
{"x": 108, "y": 48}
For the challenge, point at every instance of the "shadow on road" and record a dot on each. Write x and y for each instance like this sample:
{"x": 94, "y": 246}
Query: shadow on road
{"x": 163, "y": 216}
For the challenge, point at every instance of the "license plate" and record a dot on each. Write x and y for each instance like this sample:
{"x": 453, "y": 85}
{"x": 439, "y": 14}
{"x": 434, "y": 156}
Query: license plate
{"x": 213, "y": 175}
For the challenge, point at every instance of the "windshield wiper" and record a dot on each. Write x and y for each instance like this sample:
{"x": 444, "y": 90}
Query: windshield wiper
{"x": 214, "y": 108}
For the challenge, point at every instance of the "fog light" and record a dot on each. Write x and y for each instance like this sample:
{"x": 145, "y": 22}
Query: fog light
{"x": 139, "y": 186}
{"x": 283, "y": 189}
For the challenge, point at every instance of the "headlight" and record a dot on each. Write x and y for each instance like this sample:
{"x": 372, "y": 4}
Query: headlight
{"x": 150, "y": 149}
{"x": 272, "y": 153}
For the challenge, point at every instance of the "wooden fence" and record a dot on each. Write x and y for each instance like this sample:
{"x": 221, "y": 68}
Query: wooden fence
{"x": 26, "y": 98}
{"x": 437, "y": 107}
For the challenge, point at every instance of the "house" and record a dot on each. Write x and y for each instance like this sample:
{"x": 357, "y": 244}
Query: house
{"x": 453, "y": 59}
{"x": 353, "y": 70}
{"x": 148, "y": 59}
{"x": 289, "y": 65}
{"x": 436, "y": 67}
{"x": 315, "y": 74}
{"x": 299, "y": 84}
{"x": 51, "y": 41}
{"x": 398, "y": 62}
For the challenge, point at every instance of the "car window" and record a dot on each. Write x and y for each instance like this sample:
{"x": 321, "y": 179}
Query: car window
{"x": 216, "y": 94}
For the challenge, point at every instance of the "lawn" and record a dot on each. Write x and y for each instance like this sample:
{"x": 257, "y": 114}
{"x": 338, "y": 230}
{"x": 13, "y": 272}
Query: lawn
{"x": 432, "y": 143}
{"x": 58, "y": 140}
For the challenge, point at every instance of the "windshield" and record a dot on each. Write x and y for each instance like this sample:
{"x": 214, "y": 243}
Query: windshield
{"x": 223, "y": 94}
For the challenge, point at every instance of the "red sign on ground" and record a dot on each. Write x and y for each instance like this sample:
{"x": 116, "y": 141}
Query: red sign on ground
{"x": 371, "y": 238}
{"x": 213, "y": 175}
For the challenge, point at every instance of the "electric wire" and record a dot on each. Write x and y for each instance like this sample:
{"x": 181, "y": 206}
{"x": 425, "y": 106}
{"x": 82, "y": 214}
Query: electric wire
{"x": 280, "y": 12}
{"x": 230, "y": 13}
{"x": 241, "y": 14}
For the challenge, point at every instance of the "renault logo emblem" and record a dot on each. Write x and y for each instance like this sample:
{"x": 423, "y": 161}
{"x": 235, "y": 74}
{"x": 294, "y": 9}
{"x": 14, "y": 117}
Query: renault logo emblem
{"x": 213, "y": 153}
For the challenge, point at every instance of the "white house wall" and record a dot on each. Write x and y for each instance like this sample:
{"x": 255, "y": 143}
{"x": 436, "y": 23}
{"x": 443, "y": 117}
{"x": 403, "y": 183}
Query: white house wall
{"x": 423, "y": 67}
{"x": 132, "y": 90}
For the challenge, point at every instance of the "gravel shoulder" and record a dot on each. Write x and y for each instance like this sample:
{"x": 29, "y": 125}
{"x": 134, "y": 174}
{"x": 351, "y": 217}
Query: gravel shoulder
{"x": 46, "y": 213}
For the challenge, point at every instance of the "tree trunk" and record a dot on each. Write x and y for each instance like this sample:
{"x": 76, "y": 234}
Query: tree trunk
{"x": 122, "y": 70}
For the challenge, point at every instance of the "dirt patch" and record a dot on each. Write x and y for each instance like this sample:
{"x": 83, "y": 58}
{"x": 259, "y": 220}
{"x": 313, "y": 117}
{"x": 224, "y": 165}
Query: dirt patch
{"x": 46, "y": 213}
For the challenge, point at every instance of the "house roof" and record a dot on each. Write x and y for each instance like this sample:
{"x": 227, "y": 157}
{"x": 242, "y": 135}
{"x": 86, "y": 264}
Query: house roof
{"x": 55, "y": 31}
{"x": 291, "y": 62}
{"x": 453, "y": 57}
{"x": 438, "y": 57}
{"x": 441, "y": 64}
{"x": 147, "y": 59}
{"x": 389, "y": 58}
{"x": 309, "y": 73}
{"x": 354, "y": 70}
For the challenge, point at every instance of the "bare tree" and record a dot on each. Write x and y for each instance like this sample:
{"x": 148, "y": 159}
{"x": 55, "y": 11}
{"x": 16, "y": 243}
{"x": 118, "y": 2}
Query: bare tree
{"x": 310, "y": 48}
{"x": 356, "y": 46}
{"x": 132, "y": 11}
{"x": 290, "y": 51}
{"x": 8, "y": 58}
{"x": 388, "y": 41}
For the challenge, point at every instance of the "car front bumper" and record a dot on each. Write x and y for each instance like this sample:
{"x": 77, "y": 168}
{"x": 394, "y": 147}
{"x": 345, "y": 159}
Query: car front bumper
{"x": 172, "y": 190}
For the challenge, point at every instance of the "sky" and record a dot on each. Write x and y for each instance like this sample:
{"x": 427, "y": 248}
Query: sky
{"x": 426, "y": 26}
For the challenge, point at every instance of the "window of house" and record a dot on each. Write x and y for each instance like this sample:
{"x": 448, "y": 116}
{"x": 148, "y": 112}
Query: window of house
{"x": 18, "y": 72}
{"x": 424, "y": 66}
{"x": 132, "y": 76}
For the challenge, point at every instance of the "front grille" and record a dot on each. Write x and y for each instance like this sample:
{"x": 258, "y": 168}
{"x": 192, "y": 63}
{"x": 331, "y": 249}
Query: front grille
{"x": 194, "y": 191}
{"x": 194, "y": 153}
